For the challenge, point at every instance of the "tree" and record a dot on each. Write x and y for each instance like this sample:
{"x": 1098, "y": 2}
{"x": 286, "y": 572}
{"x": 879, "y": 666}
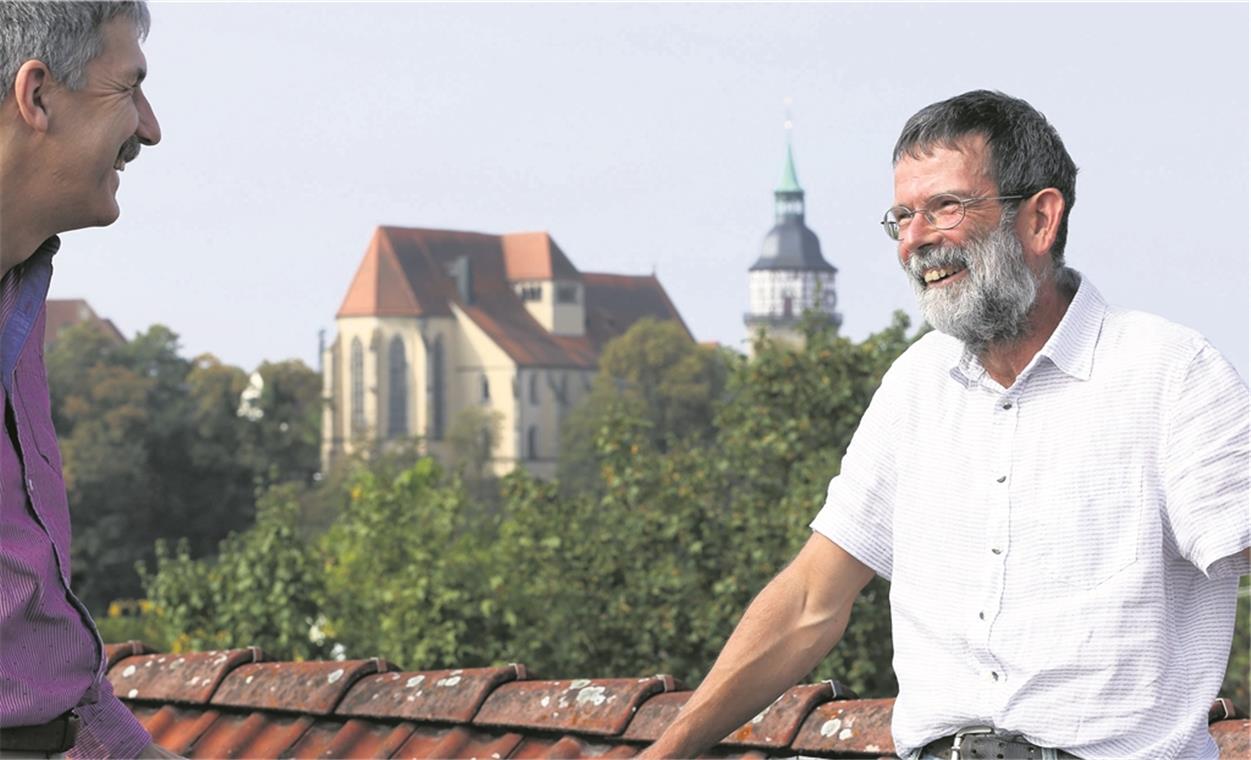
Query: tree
{"x": 655, "y": 374}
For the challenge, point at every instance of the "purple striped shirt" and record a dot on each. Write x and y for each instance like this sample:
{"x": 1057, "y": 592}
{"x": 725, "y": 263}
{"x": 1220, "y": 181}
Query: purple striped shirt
{"x": 51, "y": 656}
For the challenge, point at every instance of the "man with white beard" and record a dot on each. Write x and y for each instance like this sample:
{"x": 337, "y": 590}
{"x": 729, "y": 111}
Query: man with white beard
{"x": 1056, "y": 488}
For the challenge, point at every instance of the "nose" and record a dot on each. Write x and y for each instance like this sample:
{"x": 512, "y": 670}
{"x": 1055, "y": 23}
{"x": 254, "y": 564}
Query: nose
{"x": 149, "y": 129}
{"x": 918, "y": 235}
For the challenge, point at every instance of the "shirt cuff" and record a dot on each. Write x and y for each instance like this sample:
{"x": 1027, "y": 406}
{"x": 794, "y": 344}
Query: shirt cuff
{"x": 108, "y": 729}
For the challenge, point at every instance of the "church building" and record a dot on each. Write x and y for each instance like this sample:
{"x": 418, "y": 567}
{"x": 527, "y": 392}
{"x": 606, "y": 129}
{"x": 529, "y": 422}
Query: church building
{"x": 437, "y": 321}
{"x": 791, "y": 276}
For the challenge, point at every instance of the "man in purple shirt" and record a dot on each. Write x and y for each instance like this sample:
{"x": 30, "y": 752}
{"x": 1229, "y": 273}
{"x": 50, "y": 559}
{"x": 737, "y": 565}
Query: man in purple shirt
{"x": 72, "y": 114}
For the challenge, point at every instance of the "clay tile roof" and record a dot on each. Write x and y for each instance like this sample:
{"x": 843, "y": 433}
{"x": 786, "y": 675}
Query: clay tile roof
{"x": 535, "y": 256}
{"x": 64, "y": 312}
{"x": 616, "y": 301}
{"x": 405, "y": 274}
{"x": 361, "y": 709}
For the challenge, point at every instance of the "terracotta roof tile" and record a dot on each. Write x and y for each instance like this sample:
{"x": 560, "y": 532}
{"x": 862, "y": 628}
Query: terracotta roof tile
{"x": 535, "y": 256}
{"x": 451, "y": 696}
{"x": 117, "y": 652}
{"x": 405, "y": 274}
{"x": 65, "y": 312}
{"x": 175, "y": 728}
{"x": 309, "y": 687}
{"x": 583, "y": 705}
{"x": 614, "y": 302}
{"x": 861, "y": 725}
{"x": 186, "y": 678}
{"x": 305, "y": 710}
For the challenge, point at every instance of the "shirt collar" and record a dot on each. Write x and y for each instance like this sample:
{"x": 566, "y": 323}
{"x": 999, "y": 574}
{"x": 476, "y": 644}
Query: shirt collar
{"x": 1071, "y": 347}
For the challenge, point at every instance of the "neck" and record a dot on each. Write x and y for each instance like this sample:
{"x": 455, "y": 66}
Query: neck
{"x": 22, "y": 227}
{"x": 1005, "y": 361}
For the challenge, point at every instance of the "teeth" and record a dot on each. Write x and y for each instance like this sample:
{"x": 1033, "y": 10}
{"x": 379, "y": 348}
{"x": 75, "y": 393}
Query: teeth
{"x": 933, "y": 275}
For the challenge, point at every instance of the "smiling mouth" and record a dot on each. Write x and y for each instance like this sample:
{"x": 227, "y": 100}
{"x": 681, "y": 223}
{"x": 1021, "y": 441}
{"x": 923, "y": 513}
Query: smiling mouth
{"x": 940, "y": 274}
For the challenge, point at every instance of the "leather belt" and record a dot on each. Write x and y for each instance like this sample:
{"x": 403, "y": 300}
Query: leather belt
{"x": 57, "y": 735}
{"x": 982, "y": 743}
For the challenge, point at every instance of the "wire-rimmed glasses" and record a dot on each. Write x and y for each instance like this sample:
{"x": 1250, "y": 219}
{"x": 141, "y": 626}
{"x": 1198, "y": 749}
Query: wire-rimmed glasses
{"x": 944, "y": 212}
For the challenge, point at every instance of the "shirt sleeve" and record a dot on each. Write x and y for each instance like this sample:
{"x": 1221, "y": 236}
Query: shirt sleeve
{"x": 1206, "y": 467}
{"x": 108, "y": 729}
{"x": 859, "y": 506}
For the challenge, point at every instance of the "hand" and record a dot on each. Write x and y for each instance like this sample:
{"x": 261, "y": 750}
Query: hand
{"x": 154, "y": 750}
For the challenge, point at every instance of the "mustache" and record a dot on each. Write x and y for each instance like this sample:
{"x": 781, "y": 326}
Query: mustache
{"x": 944, "y": 256}
{"x": 130, "y": 150}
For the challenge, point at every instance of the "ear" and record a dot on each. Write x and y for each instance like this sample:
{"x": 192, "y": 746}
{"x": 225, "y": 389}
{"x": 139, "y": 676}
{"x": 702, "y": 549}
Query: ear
{"x": 1039, "y": 221}
{"x": 30, "y": 89}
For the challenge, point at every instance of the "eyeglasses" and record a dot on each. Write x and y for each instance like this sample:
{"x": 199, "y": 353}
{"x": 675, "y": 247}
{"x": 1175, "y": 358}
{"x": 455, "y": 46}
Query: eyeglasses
{"x": 943, "y": 212}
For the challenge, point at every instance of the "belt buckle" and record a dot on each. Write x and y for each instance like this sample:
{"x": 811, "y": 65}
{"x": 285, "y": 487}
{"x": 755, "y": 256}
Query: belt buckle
{"x": 957, "y": 740}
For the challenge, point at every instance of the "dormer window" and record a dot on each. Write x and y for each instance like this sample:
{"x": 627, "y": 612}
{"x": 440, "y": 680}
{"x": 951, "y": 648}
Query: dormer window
{"x": 566, "y": 294}
{"x": 530, "y": 292}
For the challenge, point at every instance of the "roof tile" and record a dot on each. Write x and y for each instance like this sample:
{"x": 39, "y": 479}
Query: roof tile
{"x": 1233, "y": 737}
{"x": 777, "y": 724}
{"x": 175, "y": 728}
{"x": 601, "y": 707}
{"x": 118, "y": 652}
{"x": 309, "y": 687}
{"x": 861, "y": 725}
{"x": 355, "y": 738}
{"x": 187, "y": 678}
{"x": 254, "y": 735}
{"x": 460, "y": 741}
{"x": 452, "y": 696}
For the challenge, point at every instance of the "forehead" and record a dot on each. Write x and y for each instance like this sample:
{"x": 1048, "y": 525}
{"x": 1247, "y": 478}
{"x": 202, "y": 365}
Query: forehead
{"x": 120, "y": 55}
{"x": 961, "y": 170}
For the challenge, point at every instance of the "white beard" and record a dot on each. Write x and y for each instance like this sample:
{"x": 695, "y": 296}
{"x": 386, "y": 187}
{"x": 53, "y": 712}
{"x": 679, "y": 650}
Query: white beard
{"x": 993, "y": 303}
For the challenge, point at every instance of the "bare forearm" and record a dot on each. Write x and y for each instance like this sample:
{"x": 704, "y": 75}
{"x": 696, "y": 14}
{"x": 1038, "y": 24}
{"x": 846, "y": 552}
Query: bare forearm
{"x": 782, "y": 636}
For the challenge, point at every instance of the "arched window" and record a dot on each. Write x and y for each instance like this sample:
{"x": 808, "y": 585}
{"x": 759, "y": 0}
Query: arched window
{"x": 436, "y": 390}
{"x": 532, "y": 443}
{"x": 534, "y": 388}
{"x": 397, "y": 409}
{"x": 358, "y": 386}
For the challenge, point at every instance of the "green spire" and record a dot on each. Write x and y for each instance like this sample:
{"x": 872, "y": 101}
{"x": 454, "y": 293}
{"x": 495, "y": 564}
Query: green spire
{"x": 790, "y": 182}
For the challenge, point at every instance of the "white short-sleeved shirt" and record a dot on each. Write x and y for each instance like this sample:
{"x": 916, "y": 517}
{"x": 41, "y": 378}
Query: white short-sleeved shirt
{"x": 1063, "y": 553}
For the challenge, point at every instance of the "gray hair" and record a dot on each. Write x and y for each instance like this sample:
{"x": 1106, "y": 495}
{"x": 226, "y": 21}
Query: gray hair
{"x": 64, "y": 35}
{"x": 1026, "y": 153}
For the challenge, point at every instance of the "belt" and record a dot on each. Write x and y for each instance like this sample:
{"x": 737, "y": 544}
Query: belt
{"x": 982, "y": 743}
{"x": 57, "y": 735}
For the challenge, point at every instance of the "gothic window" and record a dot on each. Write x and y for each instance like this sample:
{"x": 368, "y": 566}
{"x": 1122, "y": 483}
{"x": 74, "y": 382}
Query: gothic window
{"x": 358, "y": 386}
{"x": 532, "y": 443}
{"x": 397, "y": 411}
{"x": 436, "y": 390}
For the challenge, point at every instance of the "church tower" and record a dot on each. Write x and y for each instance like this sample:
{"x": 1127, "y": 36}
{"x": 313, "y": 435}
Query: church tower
{"x": 791, "y": 276}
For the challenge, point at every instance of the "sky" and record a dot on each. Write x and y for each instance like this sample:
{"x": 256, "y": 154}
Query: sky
{"x": 648, "y": 138}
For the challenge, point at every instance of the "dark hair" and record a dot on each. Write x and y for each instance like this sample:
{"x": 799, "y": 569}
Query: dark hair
{"x": 1026, "y": 153}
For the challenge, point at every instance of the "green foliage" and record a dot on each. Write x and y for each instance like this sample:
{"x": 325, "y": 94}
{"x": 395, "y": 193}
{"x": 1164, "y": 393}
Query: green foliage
{"x": 154, "y": 447}
{"x": 263, "y": 589}
{"x": 655, "y": 375}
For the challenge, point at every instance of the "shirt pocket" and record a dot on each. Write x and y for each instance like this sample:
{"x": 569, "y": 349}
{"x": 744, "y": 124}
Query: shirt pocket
{"x": 1087, "y": 530}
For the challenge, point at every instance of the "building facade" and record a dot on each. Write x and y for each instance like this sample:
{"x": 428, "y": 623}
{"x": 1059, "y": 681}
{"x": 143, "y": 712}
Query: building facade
{"x": 438, "y": 321}
{"x": 791, "y": 276}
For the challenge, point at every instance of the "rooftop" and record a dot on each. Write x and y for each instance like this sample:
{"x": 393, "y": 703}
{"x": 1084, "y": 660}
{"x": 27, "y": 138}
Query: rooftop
{"x": 236, "y": 704}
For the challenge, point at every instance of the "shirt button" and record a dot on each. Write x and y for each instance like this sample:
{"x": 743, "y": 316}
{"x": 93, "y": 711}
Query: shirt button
{"x": 996, "y": 551}
{"x": 981, "y": 616}
{"x": 30, "y": 485}
{"x": 994, "y": 675}
{"x": 1001, "y": 478}
{"x": 1007, "y": 405}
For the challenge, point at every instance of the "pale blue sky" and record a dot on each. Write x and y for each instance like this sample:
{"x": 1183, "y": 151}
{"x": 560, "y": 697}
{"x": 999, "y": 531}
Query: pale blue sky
{"x": 648, "y": 136}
